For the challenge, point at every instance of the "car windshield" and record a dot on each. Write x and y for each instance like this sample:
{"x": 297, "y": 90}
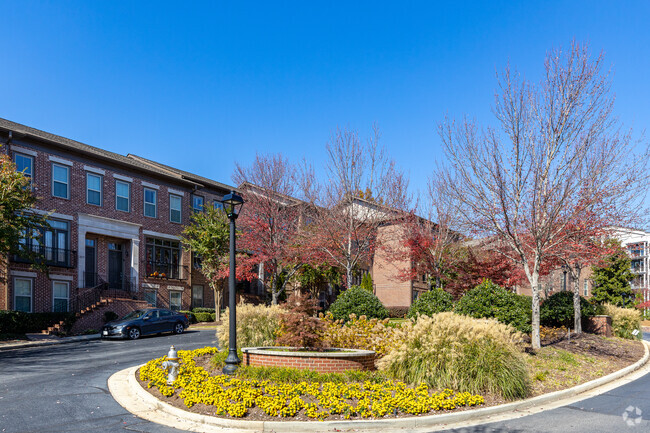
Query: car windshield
{"x": 134, "y": 314}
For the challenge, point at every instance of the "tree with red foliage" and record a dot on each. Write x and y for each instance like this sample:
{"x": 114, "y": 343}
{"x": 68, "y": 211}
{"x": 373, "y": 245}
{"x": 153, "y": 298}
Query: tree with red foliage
{"x": 270, "y": 220}
{"x": 557, "y": 154}
{"x": 299, "y": 326}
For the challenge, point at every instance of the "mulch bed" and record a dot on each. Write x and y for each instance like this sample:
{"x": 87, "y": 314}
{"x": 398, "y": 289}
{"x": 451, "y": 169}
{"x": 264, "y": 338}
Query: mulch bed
{"x": 616, "y": 353}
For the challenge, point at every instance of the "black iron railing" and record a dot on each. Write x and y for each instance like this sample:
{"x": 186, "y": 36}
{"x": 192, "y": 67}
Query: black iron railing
{"x": 59, "y": 257}
{"x": 98, "y": 287}
{"x": 165, "y": 270}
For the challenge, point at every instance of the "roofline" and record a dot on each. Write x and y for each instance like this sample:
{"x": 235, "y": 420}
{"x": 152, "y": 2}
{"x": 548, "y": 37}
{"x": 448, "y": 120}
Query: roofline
{"x": 106, "y": 155}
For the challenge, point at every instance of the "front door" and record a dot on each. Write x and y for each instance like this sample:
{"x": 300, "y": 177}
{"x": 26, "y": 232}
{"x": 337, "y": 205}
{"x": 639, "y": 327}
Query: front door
{"x": 115, "y": 266}
{"x": 90, "y": 273}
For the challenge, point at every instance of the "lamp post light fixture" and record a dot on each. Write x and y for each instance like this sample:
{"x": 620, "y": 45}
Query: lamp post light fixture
{"x": 232, "y": 204}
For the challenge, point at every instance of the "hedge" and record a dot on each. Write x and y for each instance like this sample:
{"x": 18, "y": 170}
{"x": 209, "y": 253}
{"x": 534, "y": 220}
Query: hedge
{"x": 17, "y": 322}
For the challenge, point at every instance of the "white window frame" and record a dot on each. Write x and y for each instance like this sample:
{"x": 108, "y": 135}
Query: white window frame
{"x": 31, "y": 292}
{"x": 180, "y": 208}
{"x": 30, "y": 176}
{"x": 67, "y": 284}
{"x": 67, "y": 185}
{"x": 128, "y": 198}
{"x": 101, "y": 189}
{"x": 145, "y": 202}
{"x": 180, "y": 297}
{"x": 585, "y": 288}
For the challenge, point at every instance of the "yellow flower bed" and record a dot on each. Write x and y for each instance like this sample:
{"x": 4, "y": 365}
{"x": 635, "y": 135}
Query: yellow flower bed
{"x": 234, "y": 396}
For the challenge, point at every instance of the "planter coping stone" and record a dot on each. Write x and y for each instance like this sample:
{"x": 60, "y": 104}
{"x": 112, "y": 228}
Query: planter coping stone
{"x": 267, "y": 350}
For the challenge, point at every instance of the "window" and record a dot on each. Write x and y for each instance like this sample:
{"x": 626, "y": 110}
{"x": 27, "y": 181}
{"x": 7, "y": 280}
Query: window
{"x": 586, "y": 288}
{"x": 60, "y": 181}
{"x": 150, "y": 296}
{"x": 23, "y": 294}
{"x": 60, "y": 296}
{"x": 163, "y": 258}
{"x": 197, "y": 203}
{"x": 197, "y": 261}
{"x": 175, "y": 208}
{"x": 25, "y": 165}
{"x": 123, "y": 196}
{"x": 197, "y": 296}
{"x": 93, "y": 189}
{"x": 150, "y": 202}
{"x": 218, "y": 205}
{"x": 175, "y": 300}
{"x": 51, "y": 242}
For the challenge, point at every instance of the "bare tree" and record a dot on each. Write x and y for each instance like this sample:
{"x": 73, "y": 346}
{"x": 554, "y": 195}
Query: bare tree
{"x": 364, "y": 189}
{"x": 556, "y": 156}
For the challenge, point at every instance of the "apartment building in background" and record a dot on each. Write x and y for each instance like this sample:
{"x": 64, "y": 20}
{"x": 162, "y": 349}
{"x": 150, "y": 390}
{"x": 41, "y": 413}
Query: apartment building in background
{"x": 114, "y": 225}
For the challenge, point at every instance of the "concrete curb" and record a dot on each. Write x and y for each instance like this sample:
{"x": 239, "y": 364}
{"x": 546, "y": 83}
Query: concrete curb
{"x": 129, "y": 393}
{"x": 63, "y": 340}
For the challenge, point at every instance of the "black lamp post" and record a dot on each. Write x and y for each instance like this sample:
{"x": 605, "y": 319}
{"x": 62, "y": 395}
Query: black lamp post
{"x": 565, "y": 269}
{"x": 232, "y": 204}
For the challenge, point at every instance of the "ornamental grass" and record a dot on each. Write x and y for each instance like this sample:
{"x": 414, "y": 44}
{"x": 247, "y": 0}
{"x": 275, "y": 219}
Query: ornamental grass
{"x": 236, "y": 395}
{"x": 624, "y": 321}
{"x": 452, "y": 351}
{"x": 359, "y": 333}
{"x": 257, "y": 325}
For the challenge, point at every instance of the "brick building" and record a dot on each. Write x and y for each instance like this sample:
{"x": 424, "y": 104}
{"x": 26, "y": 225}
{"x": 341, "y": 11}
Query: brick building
{"x": 114, "y": 222}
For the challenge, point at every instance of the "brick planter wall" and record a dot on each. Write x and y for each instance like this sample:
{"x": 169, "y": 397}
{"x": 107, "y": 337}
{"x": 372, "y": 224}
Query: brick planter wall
{"x": 322, "y": 362}
{"x": 600, "y": 325}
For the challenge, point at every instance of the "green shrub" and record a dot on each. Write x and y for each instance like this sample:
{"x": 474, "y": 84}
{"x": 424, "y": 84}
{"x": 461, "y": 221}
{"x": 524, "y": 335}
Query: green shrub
{"x": 624, "y": 321}
{"x": 204, "y": 317}
{"x": 457, "y": 352}
{"x": 202, "y": 310}
{"x": 257, "y": 325}
{"x": 213, "y": 317}
{"x": 430, "y": 303}
{"x": 492, "y": 301}
{"x": 557, "y": 310}
{"x": 190, "y": 315}
{"x": 356, "y": 300}
{"x": 366, "y": 284}
{"x": 17, "y": 322}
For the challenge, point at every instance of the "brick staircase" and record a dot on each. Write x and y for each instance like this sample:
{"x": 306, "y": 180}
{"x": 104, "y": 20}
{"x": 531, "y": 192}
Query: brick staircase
{"x": 57, "y": 328}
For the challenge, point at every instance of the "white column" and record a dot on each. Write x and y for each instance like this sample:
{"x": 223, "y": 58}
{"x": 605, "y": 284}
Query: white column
{"x": 135, "y": 262}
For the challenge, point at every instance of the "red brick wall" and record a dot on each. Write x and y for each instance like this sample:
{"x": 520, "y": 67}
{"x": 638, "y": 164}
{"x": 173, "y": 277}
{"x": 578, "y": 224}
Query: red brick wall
{"x": 321, "y": 365}
{"x": 76, "y": 204}
{"x": 391, "y": 290}
{"x": 95, "y": 319}
{"x": 601, "y": 325}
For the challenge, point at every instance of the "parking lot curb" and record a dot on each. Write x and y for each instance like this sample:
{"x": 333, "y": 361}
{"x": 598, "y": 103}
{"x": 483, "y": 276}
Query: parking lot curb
{"x": 62, "y": 340}
{"x": 126, "y": 390}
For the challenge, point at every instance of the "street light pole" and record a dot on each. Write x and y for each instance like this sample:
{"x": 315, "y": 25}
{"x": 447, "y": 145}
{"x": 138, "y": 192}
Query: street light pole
{"x": 232, "y": 204}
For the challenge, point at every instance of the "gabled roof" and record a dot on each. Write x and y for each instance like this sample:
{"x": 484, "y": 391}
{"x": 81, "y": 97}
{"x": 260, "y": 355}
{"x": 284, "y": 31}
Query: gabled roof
{"x": 191, "y": 177}
{"x": 130, "y": 161}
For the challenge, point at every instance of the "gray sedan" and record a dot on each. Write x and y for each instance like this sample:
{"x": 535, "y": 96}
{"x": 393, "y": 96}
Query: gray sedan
{"x": 146, "y": 322}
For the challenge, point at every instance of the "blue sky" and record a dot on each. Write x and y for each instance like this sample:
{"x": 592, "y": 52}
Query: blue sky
{"x": 200, "y": 85}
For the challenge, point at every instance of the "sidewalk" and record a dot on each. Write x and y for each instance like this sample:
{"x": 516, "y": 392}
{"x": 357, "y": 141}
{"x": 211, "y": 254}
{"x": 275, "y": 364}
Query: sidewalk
{"x": 36, "y": 340}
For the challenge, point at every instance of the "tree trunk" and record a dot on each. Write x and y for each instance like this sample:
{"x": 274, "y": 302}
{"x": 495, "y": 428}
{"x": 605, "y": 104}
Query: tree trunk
{"x": 535, "y": 338}
{"x": 577, "y": 314}
{"x": 217, "y": 302}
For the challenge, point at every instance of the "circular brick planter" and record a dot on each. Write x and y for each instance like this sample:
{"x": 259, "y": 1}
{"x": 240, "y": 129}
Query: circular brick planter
{"x": 329, "y": 361}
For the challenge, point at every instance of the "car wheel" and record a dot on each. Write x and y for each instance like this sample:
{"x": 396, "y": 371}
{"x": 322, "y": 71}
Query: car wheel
{"x": 134, "y": 334}
{"x": 179, "y": 328}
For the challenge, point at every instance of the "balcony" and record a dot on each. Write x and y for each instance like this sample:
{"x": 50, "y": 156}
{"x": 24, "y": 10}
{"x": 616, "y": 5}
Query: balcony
{"x": 49, "y": 256}
{"x": 162, "y": 270}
